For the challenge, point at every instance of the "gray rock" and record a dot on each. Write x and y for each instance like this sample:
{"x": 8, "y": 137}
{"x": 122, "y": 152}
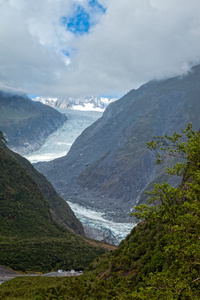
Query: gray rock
{"x": 103, "y": 235}
{"x": 109, "y": 163}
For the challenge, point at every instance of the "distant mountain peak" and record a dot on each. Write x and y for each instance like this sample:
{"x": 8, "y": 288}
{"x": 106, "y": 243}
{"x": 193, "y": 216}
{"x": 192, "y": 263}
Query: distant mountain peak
{"x": 92, "y": 103}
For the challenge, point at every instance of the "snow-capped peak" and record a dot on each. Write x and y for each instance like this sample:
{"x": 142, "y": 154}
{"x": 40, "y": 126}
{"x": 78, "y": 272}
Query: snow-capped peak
{"x": 92, "y": 103}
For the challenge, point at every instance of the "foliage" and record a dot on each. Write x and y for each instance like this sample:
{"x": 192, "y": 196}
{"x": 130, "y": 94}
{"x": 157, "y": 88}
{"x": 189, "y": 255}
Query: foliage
{"x": 159, "y": 259}
{"x": 29, "y": 238}
{"x": 59, "y": 209}
{"x": 178, "y": 210}
{"x": 47, "y": 253}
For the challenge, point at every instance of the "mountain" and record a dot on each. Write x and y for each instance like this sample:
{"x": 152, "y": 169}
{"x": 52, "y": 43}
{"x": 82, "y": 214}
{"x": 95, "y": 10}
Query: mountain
{"x": 31, "y": 235}
{"x": 25, "y": 123}
{"x": 85, "y": 103}
{"x": 159, "y": 259}
{"x": 59, "y": 209}
{"x": 109, "y": 166}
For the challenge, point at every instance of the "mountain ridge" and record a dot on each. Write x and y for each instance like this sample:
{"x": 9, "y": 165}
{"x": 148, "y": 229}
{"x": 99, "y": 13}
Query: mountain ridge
{"x": 108, "y": 167}
{"x": 25, "y": 123}
{"x": 95, "y": 103}
{"x": 59, "y": 209}
{"x": 31, "y": 238}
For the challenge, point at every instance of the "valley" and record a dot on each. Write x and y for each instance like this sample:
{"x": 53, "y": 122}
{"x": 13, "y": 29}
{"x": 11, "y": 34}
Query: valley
{"x": 97, "y": 224}
{"x": 109, "y": 167}
{"x": 100, "y": 150}
{"x": 102, "y": 174}
{"x": 99, "y": 163}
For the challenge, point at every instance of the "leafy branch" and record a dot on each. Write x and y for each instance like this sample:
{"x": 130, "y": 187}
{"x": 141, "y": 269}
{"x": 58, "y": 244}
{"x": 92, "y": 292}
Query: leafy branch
{"x": 178, "y": 210}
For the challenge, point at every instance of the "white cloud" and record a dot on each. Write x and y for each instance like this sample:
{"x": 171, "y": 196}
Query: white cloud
{"x": 133, "y": 42}
{"x": 26, "y": 59}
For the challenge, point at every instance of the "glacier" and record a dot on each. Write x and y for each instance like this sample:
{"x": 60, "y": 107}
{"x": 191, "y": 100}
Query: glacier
{"x": 57, "y": 145}
{"x": 95, "y": 219}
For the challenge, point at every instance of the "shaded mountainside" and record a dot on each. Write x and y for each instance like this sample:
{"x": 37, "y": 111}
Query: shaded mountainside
{"x": 30, "y": 239}
{"x": 159, "y": 259}
{"x": 26, "y": 124}
{"x": 108, "y": 166}
{"x": 59, "y": 209}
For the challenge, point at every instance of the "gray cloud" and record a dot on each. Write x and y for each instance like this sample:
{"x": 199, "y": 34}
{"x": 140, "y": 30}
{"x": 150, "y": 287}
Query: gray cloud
{"x": 133, "y": 42}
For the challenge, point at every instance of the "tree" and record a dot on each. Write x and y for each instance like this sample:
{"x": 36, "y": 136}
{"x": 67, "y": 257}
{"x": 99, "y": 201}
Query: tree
{"x": 2, "y": 138}
{"x": 178, "y": 210}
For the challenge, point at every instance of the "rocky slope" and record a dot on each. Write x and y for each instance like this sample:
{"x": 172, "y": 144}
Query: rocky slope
{"x": 108, "y": 167}
{"x": 25, "y": 123}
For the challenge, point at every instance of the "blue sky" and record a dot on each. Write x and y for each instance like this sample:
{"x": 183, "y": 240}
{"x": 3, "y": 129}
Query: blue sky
{"x": 81, "y": 22}
{"x": 77, "y": 48}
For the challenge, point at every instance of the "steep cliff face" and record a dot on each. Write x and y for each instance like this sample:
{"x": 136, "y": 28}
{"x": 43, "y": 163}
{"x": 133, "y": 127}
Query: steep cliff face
{"x": 108, "y": 166}
{"x": 25, "y": 123}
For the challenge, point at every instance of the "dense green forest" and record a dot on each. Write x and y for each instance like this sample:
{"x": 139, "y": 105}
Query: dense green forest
{"x": 159, "y": 259}
{"x": 30, "y": 239}
{"x": 59, "y": 209}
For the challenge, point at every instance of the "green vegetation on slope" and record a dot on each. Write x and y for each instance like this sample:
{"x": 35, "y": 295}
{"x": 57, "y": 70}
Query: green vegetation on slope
{"x": 29, "y": 238}
{"x": 59, "y": 209}
{"x": 160, "y": 258}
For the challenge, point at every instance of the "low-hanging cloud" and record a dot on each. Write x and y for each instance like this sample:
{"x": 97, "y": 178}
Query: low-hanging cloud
{"x": 132, "y": 42}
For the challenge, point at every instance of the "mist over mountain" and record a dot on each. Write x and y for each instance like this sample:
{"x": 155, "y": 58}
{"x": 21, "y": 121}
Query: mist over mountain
{"x": 84, "y": 103}
{"x": 26, "y": 124}
{"x": 108, "y": 167}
